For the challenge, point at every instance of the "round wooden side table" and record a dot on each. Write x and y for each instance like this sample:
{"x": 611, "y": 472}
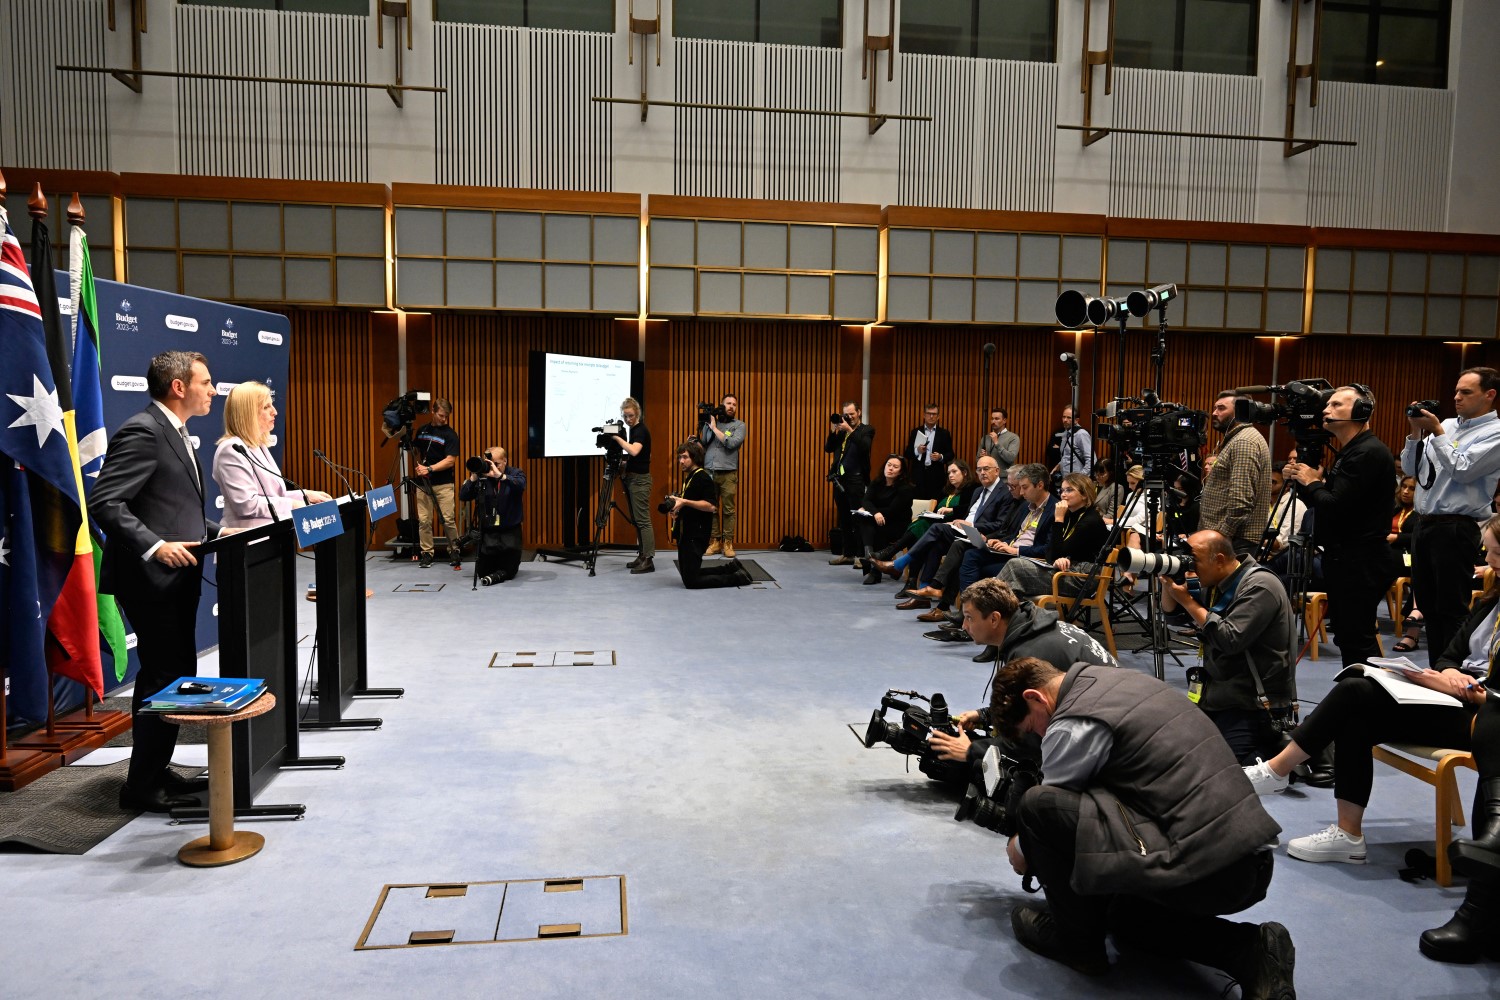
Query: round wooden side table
{"x": 224, "y": 845}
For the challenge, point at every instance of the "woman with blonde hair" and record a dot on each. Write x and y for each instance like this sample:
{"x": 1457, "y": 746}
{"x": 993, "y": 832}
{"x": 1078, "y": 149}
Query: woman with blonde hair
{"x": 251, "y": 483}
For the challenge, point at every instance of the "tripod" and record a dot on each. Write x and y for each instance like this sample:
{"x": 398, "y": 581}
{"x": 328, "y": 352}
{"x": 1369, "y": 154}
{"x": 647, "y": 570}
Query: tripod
{"x": 605, "y": 504}
{"x": 1300, "y": 552}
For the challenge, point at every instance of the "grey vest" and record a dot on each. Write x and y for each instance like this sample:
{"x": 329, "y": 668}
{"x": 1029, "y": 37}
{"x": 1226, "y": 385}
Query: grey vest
{"x": 1171, "y": 805}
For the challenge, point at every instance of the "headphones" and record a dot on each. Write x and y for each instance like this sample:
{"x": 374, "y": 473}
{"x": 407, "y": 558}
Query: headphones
{"x": 1363, "y": 406}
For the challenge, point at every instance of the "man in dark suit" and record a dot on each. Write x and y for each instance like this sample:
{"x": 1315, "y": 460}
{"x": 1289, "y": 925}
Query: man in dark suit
{"x": 849, "y": 443}
{"x": 929, "y": 448}
{"x": 149, "y": 501}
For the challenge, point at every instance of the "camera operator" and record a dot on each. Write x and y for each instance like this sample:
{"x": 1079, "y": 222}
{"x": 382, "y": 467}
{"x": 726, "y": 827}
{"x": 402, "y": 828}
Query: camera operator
{"x": 436, "y": 446}
{"x": 995, "y": 617}
{"x": 1236, "y": 498}
{"x": 1247, "y": 683}
{"x": 928, "y": 448}
{"x": 723, "y": 440}
{"x": 497, "y": 487}
{"x": 849, "y": 443}
{"x": 692, "y": 509}
{"x": 1142, "y": 828}
{"x": 1071, "y": 450}
{"x": 1000, "y": 443}
{"x": 1457, "y": 463}
{"x": 637, "y": 446}
{"x": 1351, "y": 517}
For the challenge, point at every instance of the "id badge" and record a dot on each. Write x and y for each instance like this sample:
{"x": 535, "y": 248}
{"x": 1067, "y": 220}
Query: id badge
{"x": 1195, "y": 678}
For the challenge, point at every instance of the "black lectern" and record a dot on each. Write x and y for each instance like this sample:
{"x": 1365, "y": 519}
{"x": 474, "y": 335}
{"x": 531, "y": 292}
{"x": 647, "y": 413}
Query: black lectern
{"x": 342, "y": 642}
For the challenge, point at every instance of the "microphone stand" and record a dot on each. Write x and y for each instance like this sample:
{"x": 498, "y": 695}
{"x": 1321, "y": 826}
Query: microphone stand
{"x": 984, "y": 393}
{"x": 255, "y": 470}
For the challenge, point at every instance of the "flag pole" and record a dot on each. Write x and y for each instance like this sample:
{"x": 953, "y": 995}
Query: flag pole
{"x": 36, "y": 207}
{"x": 75, "y": 219}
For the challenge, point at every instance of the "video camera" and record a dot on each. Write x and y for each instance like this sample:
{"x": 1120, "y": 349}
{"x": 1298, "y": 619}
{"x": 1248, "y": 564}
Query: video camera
{"x": 715, "y": 410}
{"x": 1159, "y": 429}
{"x": 397, "y": 415}
{"x": 993, "y": 802}
{"x": 910, "y": 736}
{"x": 1299, "y": 404}
{"x": 605, "y": 433}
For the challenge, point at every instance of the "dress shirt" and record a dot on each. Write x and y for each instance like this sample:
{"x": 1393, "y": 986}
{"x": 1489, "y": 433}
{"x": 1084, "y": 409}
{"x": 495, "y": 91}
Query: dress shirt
{"x": 1457, "y": 469}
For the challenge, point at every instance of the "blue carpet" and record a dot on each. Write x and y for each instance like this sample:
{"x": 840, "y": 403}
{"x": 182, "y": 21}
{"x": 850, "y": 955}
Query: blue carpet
{"x": 766, "y": 853}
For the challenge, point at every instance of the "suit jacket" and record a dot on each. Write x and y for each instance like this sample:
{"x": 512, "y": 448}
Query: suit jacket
{"x": 856, "y": 455}
{"x": 250, "y": 491}
{"x": 942, "y": 444}
{"x": 147, "y": 493}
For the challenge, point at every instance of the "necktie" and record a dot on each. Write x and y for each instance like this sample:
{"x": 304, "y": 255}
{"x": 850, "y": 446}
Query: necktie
{"x": 187, "y": 443}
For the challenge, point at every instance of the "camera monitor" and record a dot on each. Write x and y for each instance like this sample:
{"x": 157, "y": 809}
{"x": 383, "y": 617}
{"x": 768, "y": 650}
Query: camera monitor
{"x": 569, "y": 395}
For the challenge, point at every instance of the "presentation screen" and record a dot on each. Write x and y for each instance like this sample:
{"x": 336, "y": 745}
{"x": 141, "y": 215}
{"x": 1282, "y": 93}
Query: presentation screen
{"x": 569, "y": 396}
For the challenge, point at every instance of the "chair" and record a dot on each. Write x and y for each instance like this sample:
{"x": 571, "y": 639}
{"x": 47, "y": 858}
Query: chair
{"x": 1314, "y": 610}
{"x": 1450, "y": 810}
{"x": 1098, "y": 600}
{"x": 1395, "y": 600}
{"x": 920, "y": 507}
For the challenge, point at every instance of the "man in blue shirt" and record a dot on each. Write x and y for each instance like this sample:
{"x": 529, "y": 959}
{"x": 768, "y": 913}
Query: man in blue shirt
{"x": 1456, "y": 462}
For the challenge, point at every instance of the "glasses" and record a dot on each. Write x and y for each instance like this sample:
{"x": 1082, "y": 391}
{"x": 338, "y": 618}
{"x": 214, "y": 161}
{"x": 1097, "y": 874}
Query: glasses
{"x": 1067, "y": 489}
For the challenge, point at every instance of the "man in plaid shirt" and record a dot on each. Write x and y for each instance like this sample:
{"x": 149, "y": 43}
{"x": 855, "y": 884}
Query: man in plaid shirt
{"x": 1236, "y": 499}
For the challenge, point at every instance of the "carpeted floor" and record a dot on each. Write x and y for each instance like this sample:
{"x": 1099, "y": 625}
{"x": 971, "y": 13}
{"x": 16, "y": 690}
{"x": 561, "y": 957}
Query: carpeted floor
{"x": 765, "y": 852}
{"x": 70, "y": 811}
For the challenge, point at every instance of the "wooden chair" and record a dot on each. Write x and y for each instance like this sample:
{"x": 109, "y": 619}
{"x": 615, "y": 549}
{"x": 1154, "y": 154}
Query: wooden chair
{"x": 1314, "y": 610}
{"x": 1098, "y": 600}
{"x": 1450, "y": 810}
{"x": 1395, "y": 600}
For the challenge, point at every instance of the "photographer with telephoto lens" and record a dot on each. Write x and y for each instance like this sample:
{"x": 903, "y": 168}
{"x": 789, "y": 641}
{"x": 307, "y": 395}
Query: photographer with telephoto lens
{"x": 496, "y": 488}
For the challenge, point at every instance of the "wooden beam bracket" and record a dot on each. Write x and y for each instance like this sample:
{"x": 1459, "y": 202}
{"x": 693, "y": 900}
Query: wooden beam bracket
{"x": 1091, "y": 58}
{"x": 1295, "y": 71}
{"x": 641, "y": 28}
{"x": 869, "y": 61}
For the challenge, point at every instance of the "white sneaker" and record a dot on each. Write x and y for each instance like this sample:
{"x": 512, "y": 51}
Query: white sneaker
{"x": 1331, "y": 844}
{"x": 1264, "y": 780}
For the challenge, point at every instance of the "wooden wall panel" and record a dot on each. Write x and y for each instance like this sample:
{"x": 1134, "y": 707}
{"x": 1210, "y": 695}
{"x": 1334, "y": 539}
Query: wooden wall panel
{"x": 945, "y": 365}
{"x": 787, "y": 378}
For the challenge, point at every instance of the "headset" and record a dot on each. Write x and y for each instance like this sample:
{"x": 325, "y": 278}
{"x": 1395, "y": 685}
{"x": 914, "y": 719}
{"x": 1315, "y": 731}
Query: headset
{"x": 1364, "y": 406}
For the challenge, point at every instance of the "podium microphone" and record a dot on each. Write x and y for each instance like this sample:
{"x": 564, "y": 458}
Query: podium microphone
{"x": 319, "y": 455}
{"x": 336, "y": 467}
{"x": 261, "y": 483}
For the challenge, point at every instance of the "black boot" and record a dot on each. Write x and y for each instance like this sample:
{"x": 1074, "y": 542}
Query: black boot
{"x": 1473, "y": 933}
{"x": 1480, "y": 858}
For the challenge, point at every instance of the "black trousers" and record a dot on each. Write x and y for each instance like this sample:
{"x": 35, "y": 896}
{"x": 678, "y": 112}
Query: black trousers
{"x": 696, "y": 576}
{"x": 1183, "y": 922}
{"x": 1248, "y": 732}
{"x": 499, "y": 552}
{"x": 1357, "y": 714}
{"x": 1444, "y": 552}
{"x": 847, "y": 499}
{"x": 1355, "y": 589}
{"x": 874, "y": 536}
{"x": 166, "y": 642}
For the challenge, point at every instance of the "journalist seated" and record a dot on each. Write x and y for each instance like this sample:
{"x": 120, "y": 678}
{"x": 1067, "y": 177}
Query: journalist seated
{"x": 1074, "y": 543}
{"x": 1143, "y": 828}
{"x": 1247, "y": 684}
{"x": 883, "y": 514}
{"x": 1359, "y": 713}
{"x": 497, "y": 489}
{"x": 692, "y": 510}
{"x": 963, "y": 487}
{"x": 995, "y": 617}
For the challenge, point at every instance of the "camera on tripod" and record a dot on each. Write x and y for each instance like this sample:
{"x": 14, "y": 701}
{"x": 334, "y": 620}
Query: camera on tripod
{"x": 1160, "y": 429}
{"x": 992, "y": 803}
{"x": 1299, "y": 404}
{"x": 605, "y": 434}
{"x": 909, "y": 737}
{"x": 706, "y": 410}
{"x": 396, "y": 416}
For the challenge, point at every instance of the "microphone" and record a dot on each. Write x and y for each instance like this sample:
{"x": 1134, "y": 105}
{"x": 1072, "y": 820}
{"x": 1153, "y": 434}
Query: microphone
{"x": 318, "y": 455}
{"x": 259, "y": 482}
{"x": 989, "y": 349}
{"x": 335, "y": 465}
{"x": 1246, "y": 390}
{"x": 1070, "y": 359}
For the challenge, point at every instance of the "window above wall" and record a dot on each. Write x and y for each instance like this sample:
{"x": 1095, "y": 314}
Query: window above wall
{"x": 1400, "y": 43}
{"x": 784, "y": 22}
{"x": 358, "y": 7}
{"x": 1017, "y": 29}
{"x": 574, "y": 15}
{"x": 1195, "y": 36}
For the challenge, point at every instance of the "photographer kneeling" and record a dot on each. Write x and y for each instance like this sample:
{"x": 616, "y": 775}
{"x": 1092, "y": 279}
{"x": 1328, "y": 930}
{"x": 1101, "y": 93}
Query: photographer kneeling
{"x": 1143, "y": 827}
{"x": 692, "y": 511}
{"x": 497, "y": 487}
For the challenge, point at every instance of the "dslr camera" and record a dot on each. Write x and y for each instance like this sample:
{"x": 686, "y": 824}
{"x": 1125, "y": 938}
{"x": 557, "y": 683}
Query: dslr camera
{"x": 909, "y": 737}
{"x": 992, "y": 803}
{"x": 667, "y": 503}
{"x": 1172, "y": 564}
{"x": 479, "y": 465}
{"x": 1415, "y": 410}
{"x": 706, "y": 410}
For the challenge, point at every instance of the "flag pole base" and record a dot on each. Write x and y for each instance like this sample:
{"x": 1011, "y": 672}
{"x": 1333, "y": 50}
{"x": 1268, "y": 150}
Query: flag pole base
{"x": 19, "y": 768}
